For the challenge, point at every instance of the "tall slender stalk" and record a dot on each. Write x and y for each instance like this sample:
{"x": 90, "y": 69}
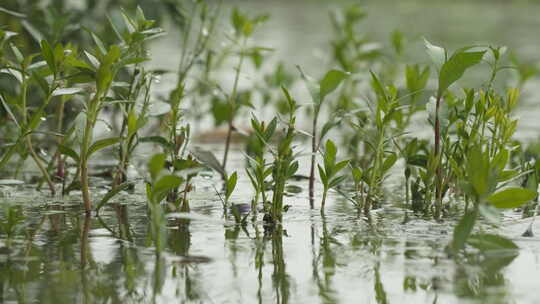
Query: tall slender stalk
{"x": 313, "y": 159}
{"x": 438, "y": 172}
{"x": 83, "y": 166}
{"x": 28, "y": 138}
{"x": 232, "y": 103}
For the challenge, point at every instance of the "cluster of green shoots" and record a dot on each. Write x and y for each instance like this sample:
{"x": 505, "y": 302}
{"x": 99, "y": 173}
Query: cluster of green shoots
{"x": 368, "y": 106}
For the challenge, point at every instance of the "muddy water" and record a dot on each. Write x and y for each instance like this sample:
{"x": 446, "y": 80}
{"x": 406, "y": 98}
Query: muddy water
{"x": 57, "y": 255}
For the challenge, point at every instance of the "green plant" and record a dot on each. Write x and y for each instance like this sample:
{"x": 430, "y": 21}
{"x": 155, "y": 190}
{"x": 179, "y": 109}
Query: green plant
{"x": 60, "y": 63}
{"x": 244, "y": 27}
{"x": 328, "y": 173}
{"x": 451, "y": 69}
{"x": 376, "y": 135}
{"x": 319, "y": 90}
{"x": 103, "y": 69}
{"x": 157, "y": 189}
{"x": 484, "y": 174}
{"x": 230, "y": 184}
{"x": 257, "y": 169}
{"x": 284, "y": 165}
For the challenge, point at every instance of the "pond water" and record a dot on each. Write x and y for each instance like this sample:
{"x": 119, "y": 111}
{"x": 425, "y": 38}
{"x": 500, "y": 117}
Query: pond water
{"x": 58, "y": 255}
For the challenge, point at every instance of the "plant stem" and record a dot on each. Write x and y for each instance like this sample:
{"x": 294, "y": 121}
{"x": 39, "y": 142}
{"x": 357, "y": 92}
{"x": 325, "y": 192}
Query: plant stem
{"x": 84, "y": 154}
{"x": 232, "y": 103}
{"x": 40, "y": 165}
{"x": 29, "y": 139}
{"x": 325, "y": 191}
{"x": 313, "y": 159}
{"x": 59, "y": 126}
{"x": 438, "y": 172}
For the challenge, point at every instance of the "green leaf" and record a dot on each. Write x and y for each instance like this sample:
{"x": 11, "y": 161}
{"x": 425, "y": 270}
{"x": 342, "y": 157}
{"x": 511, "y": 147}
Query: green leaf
{"x": 67, "y": 91}
{"x": 389, "y": 162}
{"x": 339, "y": 166}
{"x": 93, "y": 60}
{"x": 104, "y": 78}
{"x": 164, "y": 185}
{"x": 132, "y": 122}
{"x": 48, "y": 55}
{"x": 511, "y": 197}
{"x": 378, "y": 87}
{"x": 486, "y": 241}
{"x": 37, "y": 35}
{"x": 12, "y": 13}
{"x": 292, "y": 169}
{"x": 336, "y": 181}
{"x": 43, "y": 84}
{"x": 455, "y": 67}
{"x": 17, "y": 52}
{"x": 463, "y": 230}
{"x": 102, "y": 143}
{"x": 156, "y": 164}
{"x": 113, "y": 192}
{"x": 312, "y": 86}
{"x": 8, "y": 110}
{"x": 160, "y": 140}
{"x": 209, "y": 159}
{"x": 327, "y": 127}
{"x": 322, "y": 175}
{"x": 330, "y": 82}
{"x": 437, "y": 53}
{"x": 69, "y": 152}
{"x": 98, "y": 42}
{"x": 357, "y": 174}
{"x": 231, "y": 184}
{"x": 331, "y": 151}
{"x": 186, "y": 164}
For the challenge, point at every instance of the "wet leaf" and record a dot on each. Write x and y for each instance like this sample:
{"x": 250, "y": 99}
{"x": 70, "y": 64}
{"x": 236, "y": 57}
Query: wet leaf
{"x": 455, "y": 67}
{"x": 67, "y": 91}
{"x": 231, "y": 184}
{"x": 69, "y": 152}
{"x": 511, "y": 197}
{"x": 437, "y": 53}
{"x": 486, "y": 241}
{"x": 101, "y": 144}
{"x": 330, "y": 82}
{"x": 156, "y": 164}
{"x": 112, "y": 193}
{"x": 164, "y": 185}
{"x": 209, "y": 159}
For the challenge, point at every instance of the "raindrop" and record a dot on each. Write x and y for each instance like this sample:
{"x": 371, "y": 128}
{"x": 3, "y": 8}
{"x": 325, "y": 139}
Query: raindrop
{"x": 205, "y": 32}
{"x": 43, "y": 119}
{"x": 157, "y": 79}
